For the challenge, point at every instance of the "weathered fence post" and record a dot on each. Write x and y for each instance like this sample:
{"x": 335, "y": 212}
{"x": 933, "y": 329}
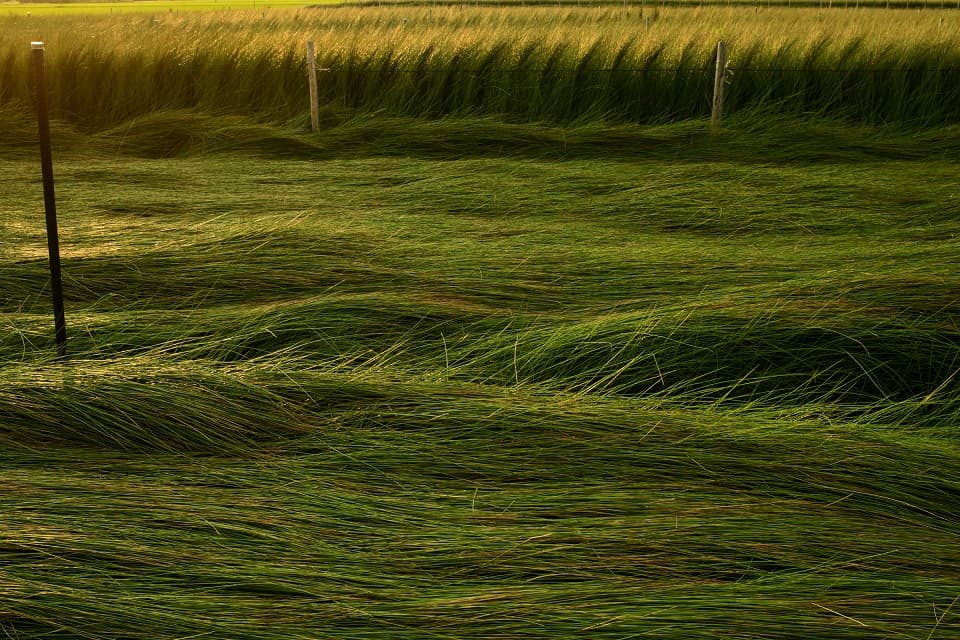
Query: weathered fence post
{"x": 49, "y": 196}
{"x": 718, "y": 80}
{"x": 312, "y": 78}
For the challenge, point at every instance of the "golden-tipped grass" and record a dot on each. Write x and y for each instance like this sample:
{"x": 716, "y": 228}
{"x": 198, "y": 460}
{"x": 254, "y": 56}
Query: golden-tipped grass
{"x": 528, "y": 64}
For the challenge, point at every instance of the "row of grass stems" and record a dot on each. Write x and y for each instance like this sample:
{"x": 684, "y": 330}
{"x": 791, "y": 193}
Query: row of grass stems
{"x": 90, "y": 86}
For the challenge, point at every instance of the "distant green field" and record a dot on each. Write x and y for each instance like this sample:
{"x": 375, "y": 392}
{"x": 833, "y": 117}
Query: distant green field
{"x": 150, "y": 6}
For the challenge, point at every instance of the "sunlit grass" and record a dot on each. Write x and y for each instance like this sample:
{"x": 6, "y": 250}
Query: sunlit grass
{"x": 522, "y": 64}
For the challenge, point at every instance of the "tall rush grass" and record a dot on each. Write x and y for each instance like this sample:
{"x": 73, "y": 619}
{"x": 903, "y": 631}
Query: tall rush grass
{"x": 523, "y": 64}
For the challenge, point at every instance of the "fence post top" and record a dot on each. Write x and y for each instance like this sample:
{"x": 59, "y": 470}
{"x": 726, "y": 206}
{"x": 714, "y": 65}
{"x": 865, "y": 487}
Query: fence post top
{"x": 36, "y": 46}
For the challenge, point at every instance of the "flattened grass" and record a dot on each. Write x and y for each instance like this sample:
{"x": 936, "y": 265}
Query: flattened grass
{"x": 506, "y": 382}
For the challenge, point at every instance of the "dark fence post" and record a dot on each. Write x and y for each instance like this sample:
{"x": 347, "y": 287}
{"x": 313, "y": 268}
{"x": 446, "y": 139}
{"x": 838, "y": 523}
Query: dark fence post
{"x": 312, "y": 81}
{"x": 49, "y": 197}
{"x": 719, "y": 76}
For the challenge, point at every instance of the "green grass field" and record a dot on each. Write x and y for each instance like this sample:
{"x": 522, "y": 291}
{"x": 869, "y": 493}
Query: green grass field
{"x": 478, "y": 375}
{"x": 144, "y": 6}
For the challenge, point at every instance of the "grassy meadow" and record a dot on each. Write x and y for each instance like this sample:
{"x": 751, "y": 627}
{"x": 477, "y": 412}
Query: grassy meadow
{"x": 513, "y": 347}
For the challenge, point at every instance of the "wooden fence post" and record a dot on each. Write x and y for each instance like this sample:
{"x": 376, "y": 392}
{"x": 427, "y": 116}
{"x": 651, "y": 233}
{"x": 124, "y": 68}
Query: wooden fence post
{"x": 49, "y": 197}
{"x": 718, "y": 80}
{"x": 312, "y": 78}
